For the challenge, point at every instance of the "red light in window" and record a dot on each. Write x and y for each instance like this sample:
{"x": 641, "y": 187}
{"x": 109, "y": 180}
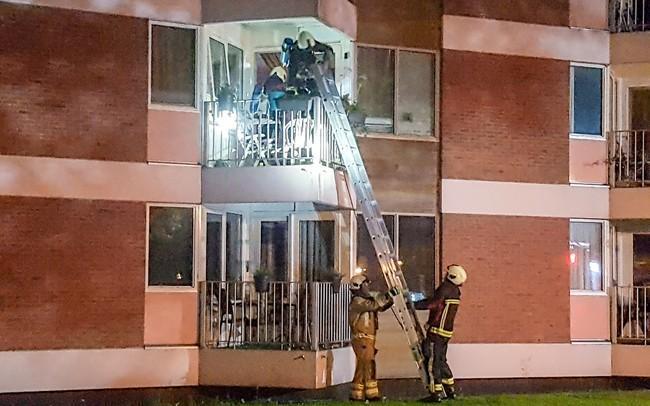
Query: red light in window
{"x": 572, "y": 258}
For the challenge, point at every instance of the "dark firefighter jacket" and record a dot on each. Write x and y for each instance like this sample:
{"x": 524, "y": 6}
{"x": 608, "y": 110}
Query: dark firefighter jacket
{"x": 442, "y": 307}
{"x": 362, "y": 315}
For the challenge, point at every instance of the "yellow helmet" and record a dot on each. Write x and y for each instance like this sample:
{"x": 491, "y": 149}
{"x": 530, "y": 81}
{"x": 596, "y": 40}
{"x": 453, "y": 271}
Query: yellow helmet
{"x": 357, "y": 280}
{"x": 456, "y": 274}
{"x": 280, "y": 72}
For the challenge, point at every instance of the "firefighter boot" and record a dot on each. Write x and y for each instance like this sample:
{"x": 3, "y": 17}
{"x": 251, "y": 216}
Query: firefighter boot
{"x": 435, "y": 397}
{"x": 450, "y": 392}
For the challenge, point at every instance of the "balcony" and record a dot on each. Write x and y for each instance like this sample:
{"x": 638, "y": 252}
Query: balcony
{"x": 630, "y": 158}
{"x": 629, "y": 15}
{"x": 296, "y": 335}
{"x": 632, "y": 315}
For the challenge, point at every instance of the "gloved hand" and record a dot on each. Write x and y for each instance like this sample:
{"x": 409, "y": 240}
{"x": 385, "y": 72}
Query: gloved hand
{"x": 393, "y": 292}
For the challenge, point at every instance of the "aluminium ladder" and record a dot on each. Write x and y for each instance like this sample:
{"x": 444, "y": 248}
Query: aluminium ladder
{"x": 390, "y": 267}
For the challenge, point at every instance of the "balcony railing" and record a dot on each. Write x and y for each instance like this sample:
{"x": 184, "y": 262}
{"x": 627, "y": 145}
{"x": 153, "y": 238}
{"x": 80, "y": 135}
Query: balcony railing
{"x": 632, "y": 315}
{"x": 629, "y": 15}
{"x": 630, "y": 158}
{"x": 242, "y": 134}
{"x": 291, "y": 315}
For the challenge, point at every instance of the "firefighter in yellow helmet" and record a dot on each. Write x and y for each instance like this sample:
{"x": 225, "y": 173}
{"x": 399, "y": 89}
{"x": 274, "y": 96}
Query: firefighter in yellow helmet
{"x": 442, "y": 307}
{"x": 363, "y": 312}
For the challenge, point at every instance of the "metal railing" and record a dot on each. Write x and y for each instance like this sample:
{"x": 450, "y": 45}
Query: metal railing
{"x": 242, "y": 134}
{"x": 291, "y": 315}
{"x": 630, "y": 158}
{"x": 629, "y": 15}
{"x": 632, "y": 318}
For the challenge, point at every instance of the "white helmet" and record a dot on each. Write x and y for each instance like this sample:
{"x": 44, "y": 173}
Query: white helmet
{"x": 456, "y": 274}
{"x": 306, "y": 40}
{"x": 280, "y": 72}
{"x": 357, "y": 280}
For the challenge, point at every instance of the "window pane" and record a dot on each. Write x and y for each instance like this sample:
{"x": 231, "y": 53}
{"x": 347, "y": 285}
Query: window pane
{"x": 586, "y": 256}
{"x": 213, "y": 248}
{"x": 417, "y": 252}
{"x": 366, "y": 256}
{"x": 274, "y": 248}
{"x": 171, "y": 246}
{"x": 317, "y": 250}
{"x": 415, "y": 94}
{"x": 233, "y": 247}
{"x": 172, "y": 65}
{"x": 587, "y": 100}
{"x": 640, "y": 99}
{"x": 218, "y": 65}
{"x": 236, "y": 69}
{"x": 641, "y": 255}
{"x": 376, "y": 87}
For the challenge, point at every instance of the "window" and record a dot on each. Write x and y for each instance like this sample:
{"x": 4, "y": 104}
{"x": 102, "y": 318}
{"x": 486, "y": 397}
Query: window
{"x": 173, "y": 74}
{"x": 274, "y": 250}
{"x": 395, "y": 89}
{"x": 414, "y": 239}
{"x": 213, "y": 255}
{"x": 640, "y": 111}
{"x": 226, "y": 68}
{"x": 587, "y": 100}
{"x": 233, "y": 247}
{"x": 586, "y": 255}
{"x": 171, "y": 246}
{"x": 317, "y": 249}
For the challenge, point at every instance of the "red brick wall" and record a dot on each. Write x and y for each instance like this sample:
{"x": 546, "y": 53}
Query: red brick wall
{"x": 504, "y": 118}
{"x": 407, "y": 23}
{"x": 73, "y": 273}
{"x": 551, "y": 12}
{"x": 73, "y": 84}
{"x": 517, "y": 289}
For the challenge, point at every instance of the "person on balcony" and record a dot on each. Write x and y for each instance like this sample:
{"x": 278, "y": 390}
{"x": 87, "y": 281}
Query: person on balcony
{"x": 275, "y": 88}
{"x": 363, "y": 312}
{"x": 304, "y": 53}
{"x": 442, "y": 306}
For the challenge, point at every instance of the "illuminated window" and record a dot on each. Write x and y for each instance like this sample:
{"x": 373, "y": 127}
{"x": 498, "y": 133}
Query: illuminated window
{"x": 586, "y": 255}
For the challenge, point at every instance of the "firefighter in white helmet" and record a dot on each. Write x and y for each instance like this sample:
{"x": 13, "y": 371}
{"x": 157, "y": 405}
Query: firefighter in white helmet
{"x": 363, "y": 312}
{"x": 304, "y": 53}
{"x": 442, "y": 307}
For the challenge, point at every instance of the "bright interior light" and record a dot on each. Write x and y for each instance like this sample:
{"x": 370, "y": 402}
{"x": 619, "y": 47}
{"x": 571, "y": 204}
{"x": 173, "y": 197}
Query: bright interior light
{"x": 594, "y": 267}
{"x": 572, "y": 258}
{"x": 227, "y": 120}
{"x": 359, "y": 270}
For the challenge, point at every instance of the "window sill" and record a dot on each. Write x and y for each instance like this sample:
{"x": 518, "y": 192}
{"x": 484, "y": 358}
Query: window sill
{"x": 588, "y": 293}
{"x": 397, "y": 137}
{"x": 173, "y": 107}
{"x": 170, "y": 289}
{"x": 587, "y": 137}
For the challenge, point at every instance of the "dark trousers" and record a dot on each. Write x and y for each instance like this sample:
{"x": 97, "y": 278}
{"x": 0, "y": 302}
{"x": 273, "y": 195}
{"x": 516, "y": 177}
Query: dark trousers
{"x": 436, "y": 356}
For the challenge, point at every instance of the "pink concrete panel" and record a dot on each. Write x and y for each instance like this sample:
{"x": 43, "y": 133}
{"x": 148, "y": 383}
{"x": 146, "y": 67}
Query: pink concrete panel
{"x": 588, "y": 161}
{"x": 58, "y": 370}
{"x": 339, "y": 14}
{"x": 171, "y": 318}
{"x": 524, "y": 199}
{"x": 631, "y": 360}
{"x": 173, "y": 136}
{"x": 589, "y": 14}
{"x": 629, "y": 203}
{"x": 590, "y": 317}
{"x": 537, "y": 41}
{"x": 99, "y": 180}
{"x": 180, "y": 11}
{"x": 630, "y": 47}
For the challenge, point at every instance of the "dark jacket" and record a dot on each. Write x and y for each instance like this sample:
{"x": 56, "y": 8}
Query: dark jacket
{"x": 273, "y": 84}
{"x": 442, "y": 306}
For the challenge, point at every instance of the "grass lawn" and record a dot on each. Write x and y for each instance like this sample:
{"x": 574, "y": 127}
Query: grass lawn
{"x": 578, "y": 399}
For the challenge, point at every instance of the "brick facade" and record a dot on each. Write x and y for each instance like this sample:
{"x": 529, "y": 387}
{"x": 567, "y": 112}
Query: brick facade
{"x": 73, "y": 84}
{"x": 504, "y": 118}
{"x": 73, "y": 273}
{"x": 550, "y": 12}
{"x": 517, "y": 289}
{"x": 413, "y": 23}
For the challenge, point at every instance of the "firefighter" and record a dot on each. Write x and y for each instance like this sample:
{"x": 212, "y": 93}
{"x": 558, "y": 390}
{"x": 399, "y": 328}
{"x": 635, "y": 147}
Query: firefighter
{"x": 363, "y": 322}
{"x": 442, "y": 307}
{"x": 302, "y": 54}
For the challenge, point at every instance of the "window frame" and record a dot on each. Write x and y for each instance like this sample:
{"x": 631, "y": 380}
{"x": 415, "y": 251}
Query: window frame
{"x": 603, "y": 101}
{"x": 434, "y": 136}
{"x": 604, "y": 258}
{"x": 196, "y": 246}
{"x": 227, "y": 43}
{"x": 198, "y": 56}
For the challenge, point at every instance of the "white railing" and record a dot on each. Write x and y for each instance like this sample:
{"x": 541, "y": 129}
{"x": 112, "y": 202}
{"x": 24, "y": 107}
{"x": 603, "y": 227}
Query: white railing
{"x": 629, "y": 15}
{"x": 290, "y": 315}
{"x": 632, "y": 318}
{"x": 242, "y": 134}
{"x": 630, "y": 158}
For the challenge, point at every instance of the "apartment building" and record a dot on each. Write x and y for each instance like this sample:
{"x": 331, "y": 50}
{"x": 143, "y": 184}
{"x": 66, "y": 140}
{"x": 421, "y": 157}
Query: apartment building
{"x": 143, "y": 185}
